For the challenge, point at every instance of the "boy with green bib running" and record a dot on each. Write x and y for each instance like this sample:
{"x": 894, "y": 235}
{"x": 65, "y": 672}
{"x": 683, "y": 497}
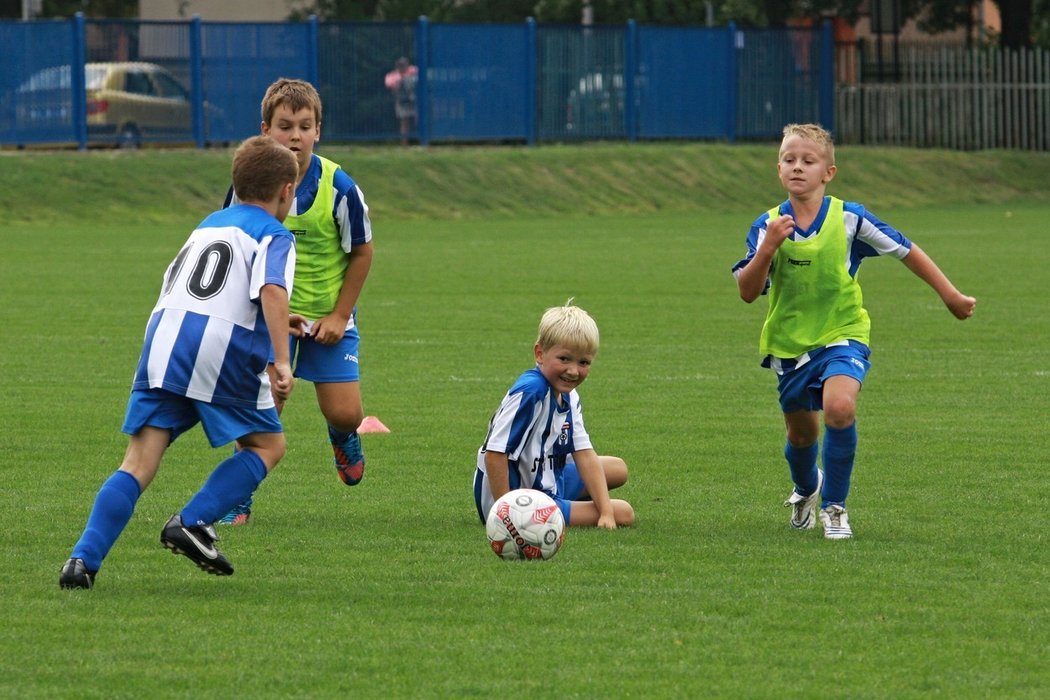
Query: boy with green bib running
{"x": 804, "y": 254}
{"x": 333, "y": 239}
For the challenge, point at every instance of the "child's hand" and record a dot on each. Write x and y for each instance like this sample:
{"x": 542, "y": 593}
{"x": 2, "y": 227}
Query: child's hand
{"x": 282, "y": 382}
{"x": 778, "y": 229}
{"x": 607, "y": 521}
{"x": 329, "y": 330}
{"x": 298, "y": 326}
{"x": 960, "y": 305}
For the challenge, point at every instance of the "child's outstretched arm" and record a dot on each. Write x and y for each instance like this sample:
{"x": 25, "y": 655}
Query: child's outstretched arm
{"x": 274, "y": 300}
{"x": 593, "y": 476}
{"x": 925, "y": 269}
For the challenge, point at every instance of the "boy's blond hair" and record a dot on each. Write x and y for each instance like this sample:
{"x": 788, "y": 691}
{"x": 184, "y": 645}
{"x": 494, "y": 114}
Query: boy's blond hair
{"x": 815, "y": 133}
{"x": 261, "y": 167}
{"x": 568, "y": 326}
{"x": 296, "y": 94}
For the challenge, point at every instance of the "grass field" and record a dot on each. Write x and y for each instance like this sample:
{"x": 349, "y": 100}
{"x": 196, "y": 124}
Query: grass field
{"x": 388, "y": 590}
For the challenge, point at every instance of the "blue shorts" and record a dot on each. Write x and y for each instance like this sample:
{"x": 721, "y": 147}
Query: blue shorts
{"x": 162, "y": 409}
{"x": 570, "y": 488}
{"x": 315, "y": 362}
{"x": 802, "y": 389}
{"x": 570, "y": 485}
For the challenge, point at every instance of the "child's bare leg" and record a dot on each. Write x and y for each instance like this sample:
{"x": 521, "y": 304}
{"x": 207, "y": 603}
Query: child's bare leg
{"x": 615, "y": 473}
{"x": 585, "y": 513}
{"x": 340, "y": 404}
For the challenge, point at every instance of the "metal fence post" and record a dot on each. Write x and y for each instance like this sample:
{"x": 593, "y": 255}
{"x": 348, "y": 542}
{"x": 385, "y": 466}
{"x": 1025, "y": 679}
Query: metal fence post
{"x": 77, "y": 82}
{"x": 630, "y": 71}
{"x": 827, "y": 77}
{"x": 422, "y": 88}
{"x": 197, "y": 80}
{"x": 531, "y": 59}
{"x": 734, "y": 77}
{"x": 312, "y": 49}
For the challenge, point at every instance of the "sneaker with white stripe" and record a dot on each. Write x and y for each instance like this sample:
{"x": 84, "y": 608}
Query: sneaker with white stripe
{"x": 196, "y": 543}
{"x": 836, "y": 523}
{"x": 804, "y": 508}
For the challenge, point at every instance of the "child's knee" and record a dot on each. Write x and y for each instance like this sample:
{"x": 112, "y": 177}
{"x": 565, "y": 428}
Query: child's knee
{"x": 346, "y": 419}
{"x": 616, "y": 471}
{"x": 840, "y": 412}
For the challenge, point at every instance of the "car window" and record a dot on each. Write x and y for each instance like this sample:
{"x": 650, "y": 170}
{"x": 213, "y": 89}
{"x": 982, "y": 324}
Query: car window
{"x": 137, "y": 83}
{"x": 94, "y": 77}
{"x": 56, "y": 78}
{"x": 169, "y": 87}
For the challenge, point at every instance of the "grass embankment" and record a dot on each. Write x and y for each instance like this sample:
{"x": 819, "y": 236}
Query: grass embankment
{"x": 157, "y": 186}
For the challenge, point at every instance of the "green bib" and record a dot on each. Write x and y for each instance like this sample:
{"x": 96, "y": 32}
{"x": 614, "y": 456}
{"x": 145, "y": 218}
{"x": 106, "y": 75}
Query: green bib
{"x": 813, "y": 301}
{"x": 320, "y": 261}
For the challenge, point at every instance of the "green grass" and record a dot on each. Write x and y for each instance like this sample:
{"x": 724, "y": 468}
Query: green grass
{"x": 388, "y": 590}
{"x": 484, "y": 183}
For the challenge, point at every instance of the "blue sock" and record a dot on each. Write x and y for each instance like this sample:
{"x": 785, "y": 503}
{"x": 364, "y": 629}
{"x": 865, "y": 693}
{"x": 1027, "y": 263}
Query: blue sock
{"x": 113, "y": 507}
{"x": 840, "y": 447}
{"x": 350, "y": 443}
{"x": 803, "y": 464}
{"x": 232, "y": 482}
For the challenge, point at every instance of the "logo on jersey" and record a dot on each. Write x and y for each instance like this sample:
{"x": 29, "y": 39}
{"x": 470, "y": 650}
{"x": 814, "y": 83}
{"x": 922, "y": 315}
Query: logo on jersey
{"x": 350, "y": 358}
{"x": 298, "y": 232}
{"x": 800, "y": 263}
{"x": 564, "y": 437}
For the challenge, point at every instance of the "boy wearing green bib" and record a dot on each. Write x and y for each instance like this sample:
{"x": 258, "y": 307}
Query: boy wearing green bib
{"x": 804, "y": 254}
{"x": 333, "y": 239}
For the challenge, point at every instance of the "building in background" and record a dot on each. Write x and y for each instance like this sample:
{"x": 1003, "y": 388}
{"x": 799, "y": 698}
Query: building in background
{"x": 219, "y": 10}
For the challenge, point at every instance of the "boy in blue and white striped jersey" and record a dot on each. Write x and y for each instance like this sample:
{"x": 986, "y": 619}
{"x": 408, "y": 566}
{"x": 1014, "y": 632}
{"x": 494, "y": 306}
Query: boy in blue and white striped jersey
{"x": 537, "y": 439}
{"x": 805, "y": 253}
{"x": 222, "y": 311}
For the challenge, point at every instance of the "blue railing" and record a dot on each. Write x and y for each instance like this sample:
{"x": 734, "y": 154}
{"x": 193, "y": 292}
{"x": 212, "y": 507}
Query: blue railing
{"x": 89, "y": 81}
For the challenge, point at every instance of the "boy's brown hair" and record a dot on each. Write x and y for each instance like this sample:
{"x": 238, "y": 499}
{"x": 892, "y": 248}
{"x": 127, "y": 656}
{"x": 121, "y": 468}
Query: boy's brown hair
{"x": 815, "y": 133}
{"x": 261, "y": 167}
{"x": 296, "y": 94}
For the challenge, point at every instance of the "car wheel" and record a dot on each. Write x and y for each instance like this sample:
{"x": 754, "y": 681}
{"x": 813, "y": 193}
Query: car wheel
{"x": 129, "y": 137}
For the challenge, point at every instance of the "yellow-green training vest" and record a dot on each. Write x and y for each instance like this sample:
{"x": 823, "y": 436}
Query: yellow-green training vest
{"x": 813, "y": 301}
{"x": 320, "y": 261}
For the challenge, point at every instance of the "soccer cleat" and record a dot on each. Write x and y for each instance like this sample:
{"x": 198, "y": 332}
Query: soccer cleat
{"x": 238, "y": 515}
{"x": 348, "y": 457}
{"x": 804, "y": 508}
{"x": 76, "y": 575}
{"x": 196, "y": 543}
{"x": 836, "y": 523}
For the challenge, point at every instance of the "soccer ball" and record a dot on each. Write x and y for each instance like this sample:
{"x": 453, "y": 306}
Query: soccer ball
{"x": 525, "y": 524}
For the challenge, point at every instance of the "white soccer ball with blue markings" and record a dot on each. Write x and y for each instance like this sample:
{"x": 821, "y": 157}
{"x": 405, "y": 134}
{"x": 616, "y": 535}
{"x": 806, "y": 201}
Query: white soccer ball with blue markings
{"x": 525, "y": 524}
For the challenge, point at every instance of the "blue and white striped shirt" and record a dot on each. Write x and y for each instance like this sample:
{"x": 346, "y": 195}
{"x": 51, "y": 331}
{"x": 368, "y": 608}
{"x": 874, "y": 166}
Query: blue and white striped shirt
{"x": 535, "y": 432}
{"x": 207, "y": 338}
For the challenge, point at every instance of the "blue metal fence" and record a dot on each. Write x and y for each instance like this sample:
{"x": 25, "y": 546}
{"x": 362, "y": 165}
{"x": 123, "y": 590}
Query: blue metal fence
{"x": 117, "y": 81}
{"x": 685, "y": 83}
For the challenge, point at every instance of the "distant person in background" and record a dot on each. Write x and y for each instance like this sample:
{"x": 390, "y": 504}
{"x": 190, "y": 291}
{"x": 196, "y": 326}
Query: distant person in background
{"x": 804, "y": 254}
{"x": 401, "y": 82}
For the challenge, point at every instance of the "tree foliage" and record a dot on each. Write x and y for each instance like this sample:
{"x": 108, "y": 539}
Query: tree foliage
{"x": 1018, "y": 17}
{"x": 113, "y": 9}
{"x": 1023, "y": 21}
